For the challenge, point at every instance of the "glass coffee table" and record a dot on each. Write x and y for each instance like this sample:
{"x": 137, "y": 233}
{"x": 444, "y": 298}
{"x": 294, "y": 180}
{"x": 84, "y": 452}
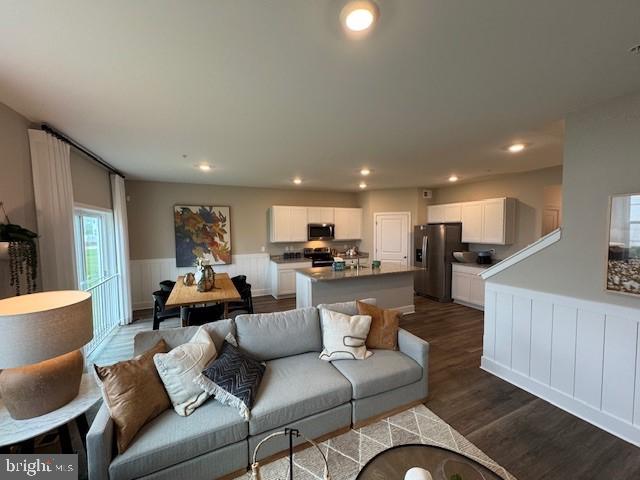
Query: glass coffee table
{"x": 443, "y": 464}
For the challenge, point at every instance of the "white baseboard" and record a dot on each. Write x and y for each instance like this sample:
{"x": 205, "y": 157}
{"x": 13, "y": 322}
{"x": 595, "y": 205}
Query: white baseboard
{"x": 406, "y": 309}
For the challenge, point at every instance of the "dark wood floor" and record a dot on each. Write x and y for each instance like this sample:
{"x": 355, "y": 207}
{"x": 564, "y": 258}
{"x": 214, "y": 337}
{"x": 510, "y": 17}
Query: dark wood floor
{"x": 528, "y": 436}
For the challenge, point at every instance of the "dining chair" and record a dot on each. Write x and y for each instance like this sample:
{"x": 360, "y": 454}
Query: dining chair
{"x": 202, "y": 315}
{"x": 160, "y": 312}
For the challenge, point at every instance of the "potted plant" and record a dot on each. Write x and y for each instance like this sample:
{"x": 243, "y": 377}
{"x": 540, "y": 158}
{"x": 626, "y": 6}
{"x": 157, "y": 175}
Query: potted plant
{"x": 19, "y": 246}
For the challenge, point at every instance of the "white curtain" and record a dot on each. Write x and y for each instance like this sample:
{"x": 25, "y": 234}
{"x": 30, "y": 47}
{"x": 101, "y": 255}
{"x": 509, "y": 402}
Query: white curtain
{"x": 122, "y": 245}
{"x": 53, "y": 194}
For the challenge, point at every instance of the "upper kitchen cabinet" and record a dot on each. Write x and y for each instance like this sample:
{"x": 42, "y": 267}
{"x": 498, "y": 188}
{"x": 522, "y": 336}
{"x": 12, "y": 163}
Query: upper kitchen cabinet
{"x": 490, "y": 221}
{"x": 471, "y": 217}
{"x": 320, "y": 215}
{"x": 348, "y": 223}
{"x": 288, "y": 224}
{"x": 448, "y": 213}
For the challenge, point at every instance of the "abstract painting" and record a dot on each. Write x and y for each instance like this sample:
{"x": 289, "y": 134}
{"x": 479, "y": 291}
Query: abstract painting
{"x": 202, "y": 232}
{"x": 623, "y": 262}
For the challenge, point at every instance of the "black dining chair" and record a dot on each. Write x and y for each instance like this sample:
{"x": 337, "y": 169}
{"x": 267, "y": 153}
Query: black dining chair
{"x": 160, "y": 312}
{"x": 245, "y": 305}
{"x": 202, "y": 315}
{"x": 167, "y": 285}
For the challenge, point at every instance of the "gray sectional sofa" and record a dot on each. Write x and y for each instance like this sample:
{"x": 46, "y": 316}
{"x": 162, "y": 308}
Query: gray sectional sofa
{"x": 298, "y": 389}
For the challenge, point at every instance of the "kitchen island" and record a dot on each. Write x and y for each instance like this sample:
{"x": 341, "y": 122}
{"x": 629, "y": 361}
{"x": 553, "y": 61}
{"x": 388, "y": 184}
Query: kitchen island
{"x": 391, "y": 285}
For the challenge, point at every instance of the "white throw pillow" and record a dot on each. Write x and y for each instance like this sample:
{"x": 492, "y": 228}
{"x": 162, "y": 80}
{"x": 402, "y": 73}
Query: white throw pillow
{"x": 344, "y": 336}
{"x": 180, "y": 366}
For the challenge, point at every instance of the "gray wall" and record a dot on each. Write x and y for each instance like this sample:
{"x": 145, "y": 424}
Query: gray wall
{"x": 530, "y": 188}
{"x": 601, "y": 158}
{"x": 16, "y": 184}
{"x": 150, "y": 212}
{"x": 91, "y": 184}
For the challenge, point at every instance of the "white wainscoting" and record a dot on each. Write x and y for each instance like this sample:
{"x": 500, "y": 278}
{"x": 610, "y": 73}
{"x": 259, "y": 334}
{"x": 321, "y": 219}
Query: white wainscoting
{"x": 582, "y": 356}
{"x": 147, "y": 274}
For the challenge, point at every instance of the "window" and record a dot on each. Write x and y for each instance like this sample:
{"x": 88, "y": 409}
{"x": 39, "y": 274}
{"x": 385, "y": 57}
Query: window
{"x": 95, "y": 247}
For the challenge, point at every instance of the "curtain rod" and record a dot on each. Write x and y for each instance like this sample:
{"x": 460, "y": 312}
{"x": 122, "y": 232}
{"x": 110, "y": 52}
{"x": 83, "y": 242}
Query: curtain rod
{"x": 61, "y": 136}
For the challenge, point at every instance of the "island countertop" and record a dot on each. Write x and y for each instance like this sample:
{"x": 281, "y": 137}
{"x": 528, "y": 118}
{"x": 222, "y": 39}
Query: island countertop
{"x": 323, "y": 274}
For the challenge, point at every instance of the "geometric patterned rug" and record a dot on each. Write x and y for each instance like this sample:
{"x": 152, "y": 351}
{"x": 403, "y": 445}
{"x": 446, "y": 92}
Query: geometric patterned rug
{"x": 349, "y": 452}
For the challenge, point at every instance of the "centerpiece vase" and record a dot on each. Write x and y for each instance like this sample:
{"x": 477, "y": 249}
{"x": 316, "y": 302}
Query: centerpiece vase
{"x": 207, "y": 279}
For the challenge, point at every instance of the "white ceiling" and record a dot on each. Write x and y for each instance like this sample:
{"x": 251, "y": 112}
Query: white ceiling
{"x": 266, "y": 90}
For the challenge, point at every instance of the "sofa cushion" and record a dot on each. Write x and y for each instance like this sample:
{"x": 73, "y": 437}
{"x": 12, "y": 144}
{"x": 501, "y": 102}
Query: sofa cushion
{"x": 265, "y": 336}
{"x": 174, "y": 337}
{"x": 344, "y": 336}
{"x": 383, "y": 371}
{"x": 133, "y": 393}
{"x": 171, "y": 439}
{"x": 294, "y": 388}
{"x": 179, "y": 367}
{"x": 348, "y": 308}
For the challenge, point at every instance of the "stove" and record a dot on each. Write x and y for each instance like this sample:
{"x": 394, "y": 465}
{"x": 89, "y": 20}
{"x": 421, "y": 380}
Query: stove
{"x": 320, "y": 256}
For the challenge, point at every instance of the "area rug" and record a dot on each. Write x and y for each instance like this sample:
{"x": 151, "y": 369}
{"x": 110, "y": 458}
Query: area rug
{"x": 349, "y": 452}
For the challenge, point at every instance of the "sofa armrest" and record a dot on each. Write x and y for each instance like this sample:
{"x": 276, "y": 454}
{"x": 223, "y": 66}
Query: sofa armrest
{"x": 100, "y": 445}
{"x": 418, "y": 350}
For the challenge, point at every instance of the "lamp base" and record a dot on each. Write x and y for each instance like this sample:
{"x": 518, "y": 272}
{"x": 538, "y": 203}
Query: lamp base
{"x": 41, "y": 388}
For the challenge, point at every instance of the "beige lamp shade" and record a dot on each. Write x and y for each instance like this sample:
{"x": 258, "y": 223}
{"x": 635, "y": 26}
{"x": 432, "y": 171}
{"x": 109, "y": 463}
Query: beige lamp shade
{"x": 41, "y": 326}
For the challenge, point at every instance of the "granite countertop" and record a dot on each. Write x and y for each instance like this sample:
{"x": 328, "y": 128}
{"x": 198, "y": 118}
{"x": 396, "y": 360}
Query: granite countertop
{"x": 476, "y": 265}
{"x": 280, "y": 259}
{"x": 323, "y": 274}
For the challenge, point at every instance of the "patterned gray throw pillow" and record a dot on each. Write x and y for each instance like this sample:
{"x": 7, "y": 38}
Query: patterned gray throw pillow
{"x": 233, "y": 378}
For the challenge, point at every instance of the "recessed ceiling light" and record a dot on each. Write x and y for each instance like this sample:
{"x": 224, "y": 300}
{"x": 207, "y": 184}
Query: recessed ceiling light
{"x": 516, "y": 147}
{"x": 359, "y": 16}
{"x": 205, "y": 167}
{"x": 362, "y": 185}
{"x": 365, "y": 171}
{"x": 453, "y": 178}
{"x": 297, "y": 180}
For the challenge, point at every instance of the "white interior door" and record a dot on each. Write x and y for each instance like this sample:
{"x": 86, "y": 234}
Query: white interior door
{"x": 391, "y": 237}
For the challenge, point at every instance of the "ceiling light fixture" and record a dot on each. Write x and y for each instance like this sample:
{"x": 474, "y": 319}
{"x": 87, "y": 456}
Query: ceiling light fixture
{"x": 453, "y": 178}
{"x": 297, "y": 180}
{"x": 364, "y": 172}
{"x": 205, "y": 167}
{"x": 359, "y": 16}
{"x": 362, "y": 185}
{"x": 516, "y": 147}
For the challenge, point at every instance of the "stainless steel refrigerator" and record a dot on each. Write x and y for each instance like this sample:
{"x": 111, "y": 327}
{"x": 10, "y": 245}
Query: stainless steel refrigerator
{"x": 434, "y": 246}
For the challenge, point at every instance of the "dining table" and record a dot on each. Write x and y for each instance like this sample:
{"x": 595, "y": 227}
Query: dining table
{"x": 186, "y": 296}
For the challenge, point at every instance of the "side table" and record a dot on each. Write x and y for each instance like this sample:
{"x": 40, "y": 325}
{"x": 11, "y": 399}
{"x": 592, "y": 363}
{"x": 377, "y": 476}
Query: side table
{"x": 14, "y": 432}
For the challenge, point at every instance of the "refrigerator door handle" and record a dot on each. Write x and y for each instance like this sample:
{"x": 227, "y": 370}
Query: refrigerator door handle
{"x": 425, "y": 259}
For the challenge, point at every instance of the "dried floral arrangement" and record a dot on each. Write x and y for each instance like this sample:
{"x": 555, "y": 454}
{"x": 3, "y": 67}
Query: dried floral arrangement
{"x": 23, "y": 254}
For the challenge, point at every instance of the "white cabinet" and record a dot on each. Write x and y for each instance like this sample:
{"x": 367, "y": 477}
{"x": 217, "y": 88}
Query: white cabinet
{"x": 471, "y": 218}
{"x": 490, "y": 221}
{"x": 467, "y": 286}
{"x": 348, "y": 223}
{"x": 320, "y": 215}
{"x": 447, "y": 213}
{"x": 283, "y": 277}
{"x": 288, "y": 224}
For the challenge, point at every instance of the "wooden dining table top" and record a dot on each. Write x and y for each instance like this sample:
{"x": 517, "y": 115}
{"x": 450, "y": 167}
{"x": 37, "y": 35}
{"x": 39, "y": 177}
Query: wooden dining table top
{"x": 183, "y": 295}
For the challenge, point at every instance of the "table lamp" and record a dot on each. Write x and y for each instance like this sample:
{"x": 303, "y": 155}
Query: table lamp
{"x": 42, "y": 334}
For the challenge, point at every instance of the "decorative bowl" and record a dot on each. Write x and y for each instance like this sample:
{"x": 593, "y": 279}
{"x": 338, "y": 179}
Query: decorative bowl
{"x": 465, "y": 257}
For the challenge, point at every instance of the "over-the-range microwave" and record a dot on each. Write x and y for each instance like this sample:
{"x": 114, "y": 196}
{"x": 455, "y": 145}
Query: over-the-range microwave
{"x": 320, "y": 231}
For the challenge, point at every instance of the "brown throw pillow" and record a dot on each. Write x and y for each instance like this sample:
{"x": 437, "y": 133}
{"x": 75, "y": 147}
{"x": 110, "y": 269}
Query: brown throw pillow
{"x": 133, "y": 393}
{"x": 383, "y": 333}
